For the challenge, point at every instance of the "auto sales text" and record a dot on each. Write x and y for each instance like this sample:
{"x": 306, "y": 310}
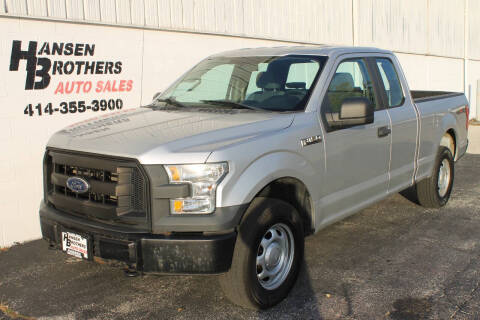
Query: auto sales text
{"x": 41, "y": 66}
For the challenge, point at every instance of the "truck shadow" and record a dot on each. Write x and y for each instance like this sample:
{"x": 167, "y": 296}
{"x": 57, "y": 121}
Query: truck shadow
{"x": 313, "y": 297}
{"x": 301, "y": 303}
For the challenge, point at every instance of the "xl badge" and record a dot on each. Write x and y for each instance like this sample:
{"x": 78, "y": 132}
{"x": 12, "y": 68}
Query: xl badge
{"x": 311, "y": 140}
{"x": 77, "y": 185}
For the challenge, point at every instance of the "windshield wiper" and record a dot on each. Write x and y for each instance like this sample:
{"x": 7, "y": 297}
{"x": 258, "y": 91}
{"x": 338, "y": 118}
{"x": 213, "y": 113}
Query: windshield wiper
{"x": 233, "y": 104}
{"x": 172, "y": 101}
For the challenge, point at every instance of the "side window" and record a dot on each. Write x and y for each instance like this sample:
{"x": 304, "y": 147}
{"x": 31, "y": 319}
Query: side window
{"x": 350, "y": 80}
{"x": 391, "y": 83}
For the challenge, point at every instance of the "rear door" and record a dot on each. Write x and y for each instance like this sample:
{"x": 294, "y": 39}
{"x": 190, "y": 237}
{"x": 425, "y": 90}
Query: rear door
{"x": 357, "y": 158}
{"x": 403, "y": 117}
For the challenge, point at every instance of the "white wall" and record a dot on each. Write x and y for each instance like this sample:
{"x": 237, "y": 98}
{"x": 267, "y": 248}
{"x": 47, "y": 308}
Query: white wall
{"x": 473, "y": 54}
{"x": 151, "y": 59}
{"x": 23, "y": 137}
{"x": 428, "y": 36}
{"x": 420, "y": 27}
{"x": 432, "y": 73}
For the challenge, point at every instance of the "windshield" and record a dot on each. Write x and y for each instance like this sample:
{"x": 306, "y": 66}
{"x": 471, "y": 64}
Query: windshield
{"x": 268, "y": 83}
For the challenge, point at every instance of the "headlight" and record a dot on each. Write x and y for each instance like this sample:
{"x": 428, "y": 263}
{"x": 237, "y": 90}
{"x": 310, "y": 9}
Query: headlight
{"x": 204, "y": 179}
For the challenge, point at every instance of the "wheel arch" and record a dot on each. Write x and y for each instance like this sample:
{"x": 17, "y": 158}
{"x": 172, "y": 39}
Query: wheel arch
{"x": 283, "y": 174}
{"x": 449, "y": 140}
{"x": 294, "y": 192}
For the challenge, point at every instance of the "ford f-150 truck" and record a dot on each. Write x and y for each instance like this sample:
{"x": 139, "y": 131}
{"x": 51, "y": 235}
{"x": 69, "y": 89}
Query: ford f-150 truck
{"x": 247, "y": 153}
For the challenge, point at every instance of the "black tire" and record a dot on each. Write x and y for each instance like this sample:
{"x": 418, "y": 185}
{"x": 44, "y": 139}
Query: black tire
{"x": 240, "y": 284}
{"x": 428, "y": 192}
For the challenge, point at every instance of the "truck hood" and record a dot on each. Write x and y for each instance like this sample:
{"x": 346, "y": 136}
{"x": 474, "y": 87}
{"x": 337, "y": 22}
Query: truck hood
{"x": 167, "y": 136}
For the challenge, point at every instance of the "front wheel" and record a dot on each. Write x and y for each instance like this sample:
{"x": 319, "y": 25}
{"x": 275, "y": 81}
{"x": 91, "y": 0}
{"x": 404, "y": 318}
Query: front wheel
{"x": 434, "y": 192}
{"x": 268, "y": 255}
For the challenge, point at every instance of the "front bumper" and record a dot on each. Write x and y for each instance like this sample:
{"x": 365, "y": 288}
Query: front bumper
{"x": 190, "y": 253}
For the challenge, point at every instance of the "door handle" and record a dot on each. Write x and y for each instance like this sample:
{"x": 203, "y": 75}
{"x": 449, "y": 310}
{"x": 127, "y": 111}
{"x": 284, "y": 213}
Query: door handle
{"x": 384, "y": 131}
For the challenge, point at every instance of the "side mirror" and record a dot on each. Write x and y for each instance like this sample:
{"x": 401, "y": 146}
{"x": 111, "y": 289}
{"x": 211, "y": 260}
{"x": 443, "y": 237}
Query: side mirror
{"x": 156, "y": 95}
{"x": 355, "y": 111}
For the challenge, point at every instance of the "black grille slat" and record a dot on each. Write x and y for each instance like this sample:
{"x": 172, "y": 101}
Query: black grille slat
{"x": 54, "y": 166}
{"x": 84, "y": 207}
{"x": 137, "y": 198}
{"x": 103, "y": 180}
{"x": 99, "y": 186}
{"x": 117, "y": 187}
{"x": 84, "y": 162}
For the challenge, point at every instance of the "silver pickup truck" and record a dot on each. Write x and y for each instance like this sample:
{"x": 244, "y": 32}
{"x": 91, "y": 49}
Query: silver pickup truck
{"x": 242, "y": 157}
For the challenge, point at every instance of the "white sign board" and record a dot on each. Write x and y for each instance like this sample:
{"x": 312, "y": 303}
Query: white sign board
{"x": 54, "y": 74}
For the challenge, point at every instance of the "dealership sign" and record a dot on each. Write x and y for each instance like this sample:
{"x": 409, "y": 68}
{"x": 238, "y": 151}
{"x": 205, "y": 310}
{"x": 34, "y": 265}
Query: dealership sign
{"x": 63, "y": 69}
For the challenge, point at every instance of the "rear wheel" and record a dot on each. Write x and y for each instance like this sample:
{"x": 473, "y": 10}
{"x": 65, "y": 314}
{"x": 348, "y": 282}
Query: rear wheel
{"x": 434, "y": 192}
{"x": 268, "y": 255}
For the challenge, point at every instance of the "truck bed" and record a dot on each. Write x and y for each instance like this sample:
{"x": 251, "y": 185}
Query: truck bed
{"x": 424, "y": 95}
{"x": 433, "y": 106}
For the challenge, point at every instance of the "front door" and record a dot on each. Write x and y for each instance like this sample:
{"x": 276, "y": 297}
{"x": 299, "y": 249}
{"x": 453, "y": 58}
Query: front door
{"x": 357, "y": 158}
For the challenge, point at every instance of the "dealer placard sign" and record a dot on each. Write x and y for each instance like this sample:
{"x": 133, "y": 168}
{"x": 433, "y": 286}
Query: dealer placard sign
{"x": 55, "y": 74}
{"x": 60, "y": 77}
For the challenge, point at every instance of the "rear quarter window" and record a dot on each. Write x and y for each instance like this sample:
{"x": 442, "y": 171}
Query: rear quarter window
{"x": 391, "y": 82}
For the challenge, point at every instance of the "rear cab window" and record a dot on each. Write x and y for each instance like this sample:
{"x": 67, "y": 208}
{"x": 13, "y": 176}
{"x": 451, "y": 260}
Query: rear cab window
{"x": 302, "y": 74}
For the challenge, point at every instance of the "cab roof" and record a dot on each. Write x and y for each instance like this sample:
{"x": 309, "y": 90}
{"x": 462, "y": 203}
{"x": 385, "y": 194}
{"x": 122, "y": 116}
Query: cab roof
{"x": 322, "y": 50}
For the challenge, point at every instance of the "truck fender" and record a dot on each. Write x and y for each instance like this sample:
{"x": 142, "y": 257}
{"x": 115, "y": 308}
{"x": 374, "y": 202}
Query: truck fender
{"x": 448, "y": 141}
{"x": 242, "y": 187}
{"x": 447, "y": 126}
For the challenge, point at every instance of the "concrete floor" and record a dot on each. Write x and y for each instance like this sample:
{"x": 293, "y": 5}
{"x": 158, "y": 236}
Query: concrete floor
{"x": 394, "y": 260}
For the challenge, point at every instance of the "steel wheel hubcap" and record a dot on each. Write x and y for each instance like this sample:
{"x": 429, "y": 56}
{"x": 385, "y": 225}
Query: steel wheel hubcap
{"x": 275, "y": 256}
{"x": 443, "y": 178}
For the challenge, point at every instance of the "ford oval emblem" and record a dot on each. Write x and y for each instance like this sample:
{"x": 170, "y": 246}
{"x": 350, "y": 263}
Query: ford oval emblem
{"x": 77, "y": 185}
